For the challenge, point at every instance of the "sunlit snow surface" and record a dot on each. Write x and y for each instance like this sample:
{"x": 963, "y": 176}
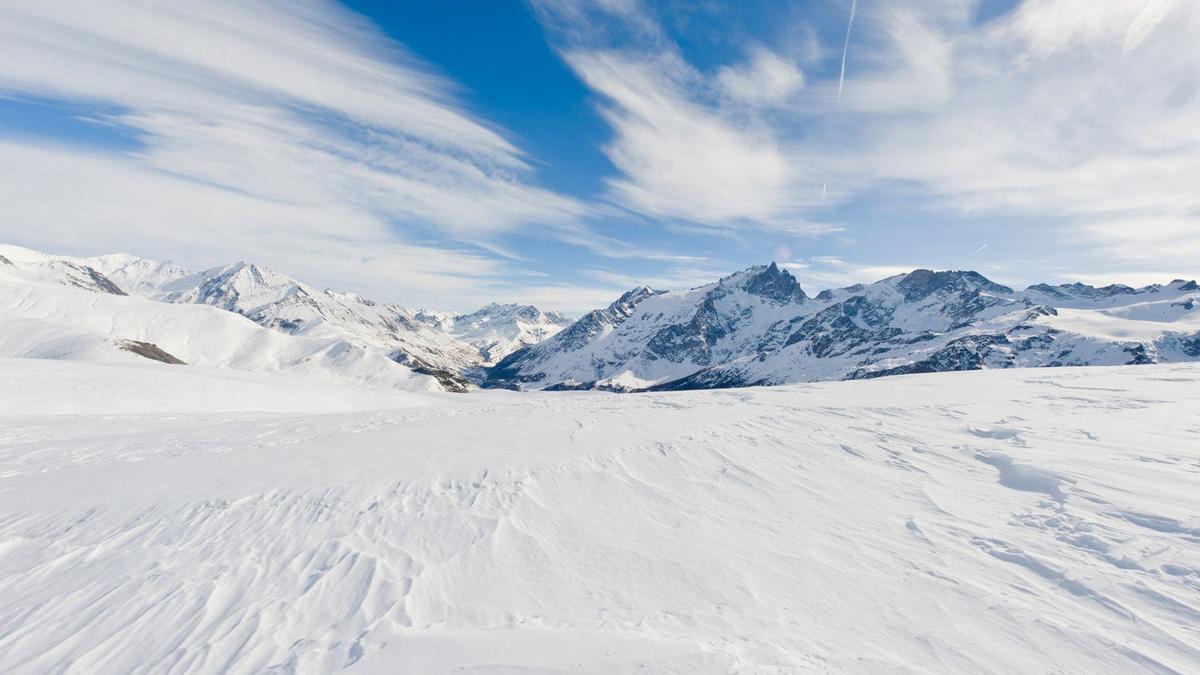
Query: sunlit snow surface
{"x": 153, "y": 520}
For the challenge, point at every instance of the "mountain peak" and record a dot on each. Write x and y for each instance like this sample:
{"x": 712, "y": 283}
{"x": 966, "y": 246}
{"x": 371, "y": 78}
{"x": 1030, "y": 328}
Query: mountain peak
{"x": 632, "y": 297}
{"x": 775, "y": 284}
{"x": 766, "y": 281}
{"x": 922, "y": 283}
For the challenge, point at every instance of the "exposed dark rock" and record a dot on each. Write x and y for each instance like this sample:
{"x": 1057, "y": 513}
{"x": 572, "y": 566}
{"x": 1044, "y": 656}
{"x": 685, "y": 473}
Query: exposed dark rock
{"x": 450, "y": 381}
{"x": 966, "y": 353}
{"x": 923, "y": 283}
{"x": 148, "y": 350}
{"x": 1190, "y": 344}
{"x": 1138, "y": 355}
{"x": 775, "y": 284}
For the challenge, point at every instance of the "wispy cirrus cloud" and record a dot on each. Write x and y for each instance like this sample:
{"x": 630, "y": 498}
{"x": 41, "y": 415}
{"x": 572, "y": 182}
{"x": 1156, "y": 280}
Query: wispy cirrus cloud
{"x": 679, "y": 158}
{"x": 291, "y": 131}
{"x": 688, "y": 145}
{"x": 1072, "y": 119}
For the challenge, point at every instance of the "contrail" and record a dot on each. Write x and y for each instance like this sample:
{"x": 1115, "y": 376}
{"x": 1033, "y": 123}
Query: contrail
{"x": 823, "y": 188}
{"x": 978, "y": 251}
{"x": 845, "y": 49}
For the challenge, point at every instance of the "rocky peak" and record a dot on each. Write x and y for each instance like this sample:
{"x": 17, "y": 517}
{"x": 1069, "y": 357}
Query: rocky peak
{"x": 922, "y": 283}
{"x": 623, "y": 306}
{"x": 773, "y": 283}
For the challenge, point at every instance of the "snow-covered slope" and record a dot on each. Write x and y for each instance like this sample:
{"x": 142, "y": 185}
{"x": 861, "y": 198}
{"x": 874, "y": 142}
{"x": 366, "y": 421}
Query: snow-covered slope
{"x": 758, "y": 327}
{"x": 34, "y": 266}
{"x": 1019, "y": 521}
{"x": 45, "y": 317}
{"x": 453, "y": 348}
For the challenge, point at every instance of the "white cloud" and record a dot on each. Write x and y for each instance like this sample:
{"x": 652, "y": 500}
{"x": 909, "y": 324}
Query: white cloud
{"x": 67, "y": 201}
{"x": 292, "y": 132}
{"x": 1071, "y": 123}
{"x": 1075, "y": 116}
{"x": 765, "y": 79}
{"x": 679, "y": 158}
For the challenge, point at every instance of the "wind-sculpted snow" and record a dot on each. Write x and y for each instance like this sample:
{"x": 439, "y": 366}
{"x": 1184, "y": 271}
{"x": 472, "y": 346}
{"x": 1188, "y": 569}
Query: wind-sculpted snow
{"x": 758, "y": 327}
{"x": 996, "y": 521}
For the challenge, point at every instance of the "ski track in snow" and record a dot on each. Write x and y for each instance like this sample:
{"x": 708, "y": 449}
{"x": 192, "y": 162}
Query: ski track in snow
{"x": 995, "y": 521}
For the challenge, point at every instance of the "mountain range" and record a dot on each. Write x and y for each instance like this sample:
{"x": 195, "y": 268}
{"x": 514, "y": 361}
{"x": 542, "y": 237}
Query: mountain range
{"x": 754, "y": 327}
{"x": 759, "y": 327}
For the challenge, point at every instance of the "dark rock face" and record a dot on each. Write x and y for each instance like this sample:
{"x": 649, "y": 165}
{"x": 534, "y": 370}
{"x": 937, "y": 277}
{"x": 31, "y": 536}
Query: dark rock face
{"x": 921, "y": 284}
{"x": 776, "y": 285}
{"x": 450, "y": 381}
{"x": 578, "y": 334}
{"x": 709, "y": 378}
{"x": 967, "y": 353}
{"x": 149, "y": 350}
{"x": 1138, "y": 356}
{"x": 1190, "y": 344}
{"x": 693, "y": 340}
{"x": 101, "y": 282}
{"x": 1078, "y": 290}
{"x": 845, "y": 326}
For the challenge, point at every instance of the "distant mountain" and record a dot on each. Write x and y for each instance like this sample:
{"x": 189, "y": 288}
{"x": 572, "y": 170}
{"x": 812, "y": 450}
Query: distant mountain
{"x": 60, "y": 309}
{"x": 497, "y": 330}
{"x": 454, "y": 349}
{"x": 759, "y": 327}
{"x": 754, "y": 327}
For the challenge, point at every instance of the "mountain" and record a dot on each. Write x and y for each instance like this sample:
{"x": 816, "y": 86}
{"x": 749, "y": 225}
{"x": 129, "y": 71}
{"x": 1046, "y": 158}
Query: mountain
{"x": 758, "y": 327}
{"x": 455, "y": 349}
{"x": 754, "y": 327}
{"x": 496, "y": 330}
{"x": 64, "y": 310}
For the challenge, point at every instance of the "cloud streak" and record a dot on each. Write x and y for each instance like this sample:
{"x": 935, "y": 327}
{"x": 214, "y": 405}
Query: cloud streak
{"x": 1070, "y": 120}
{"x": 287, "y": 130}
{"x": 846, "y": 49}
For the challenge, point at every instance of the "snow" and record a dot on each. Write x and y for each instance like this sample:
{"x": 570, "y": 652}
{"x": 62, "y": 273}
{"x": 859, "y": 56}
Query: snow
{"x": 180, "y": 519}
{"x": 45, "y": 388}
{"x": 1141, "y": 321}
{"x": 44, "y": 319}
{"x": 459, "y": 344}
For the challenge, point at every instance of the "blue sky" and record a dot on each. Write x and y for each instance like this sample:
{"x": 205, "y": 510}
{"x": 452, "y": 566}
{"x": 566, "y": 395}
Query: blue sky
{"x": 559, "y": 151}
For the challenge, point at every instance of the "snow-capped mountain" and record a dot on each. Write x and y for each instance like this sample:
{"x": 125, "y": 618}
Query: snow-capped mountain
{"x": 47, "y": 312}
{"x": 453, "y": 348}
{"x": 759, "y": 327}
{"x": 497, "y": 330}
{"x": 37, "y": 267}
{"x": 754, "y": 327}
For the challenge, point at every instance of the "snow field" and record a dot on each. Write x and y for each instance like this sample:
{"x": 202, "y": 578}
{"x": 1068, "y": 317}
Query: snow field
{"x": 995, "y": 521}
